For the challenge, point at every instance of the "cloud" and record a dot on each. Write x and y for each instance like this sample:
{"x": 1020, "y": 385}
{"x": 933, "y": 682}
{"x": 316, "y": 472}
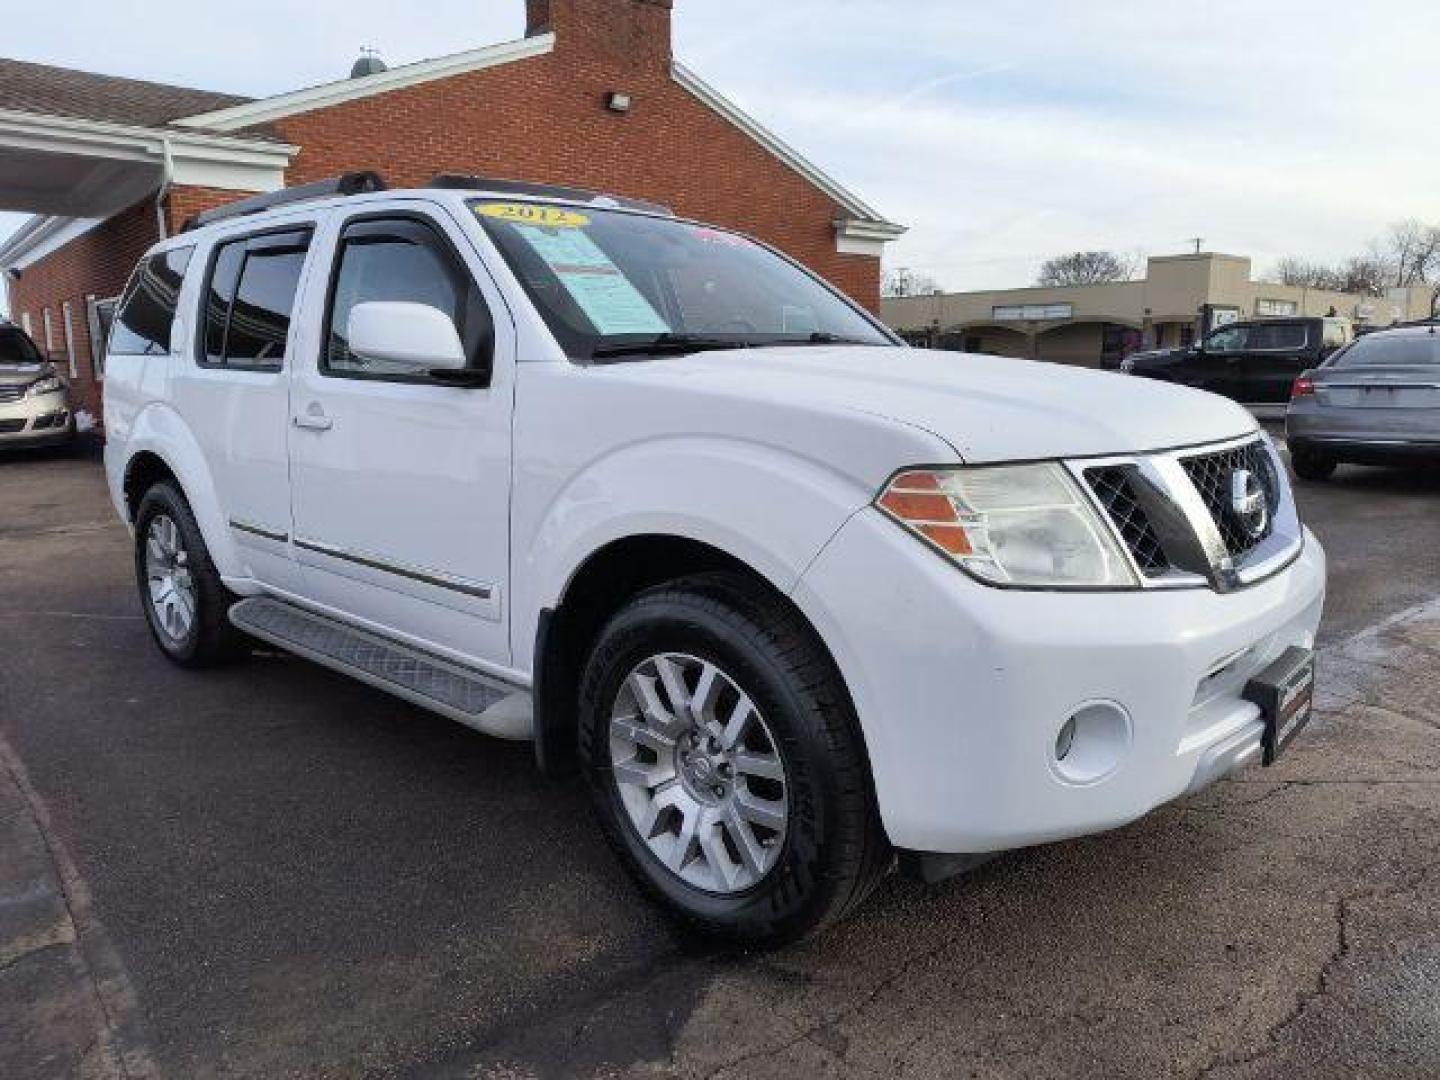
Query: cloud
{"x": 1001, "y": 134}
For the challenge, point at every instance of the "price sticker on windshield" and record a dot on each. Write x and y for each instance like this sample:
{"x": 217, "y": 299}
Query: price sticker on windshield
{"x": 547, "y": 217}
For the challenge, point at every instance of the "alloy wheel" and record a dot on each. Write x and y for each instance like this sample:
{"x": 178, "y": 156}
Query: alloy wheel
{"x": 167, "y": 573}
{"x": 699, "y": 772}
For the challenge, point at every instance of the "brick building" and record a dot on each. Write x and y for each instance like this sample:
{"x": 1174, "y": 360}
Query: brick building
{"x": 591, "y": 96}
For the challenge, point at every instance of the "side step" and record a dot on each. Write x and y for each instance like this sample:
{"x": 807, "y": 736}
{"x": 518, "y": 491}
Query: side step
{"x": 475, "y": 700}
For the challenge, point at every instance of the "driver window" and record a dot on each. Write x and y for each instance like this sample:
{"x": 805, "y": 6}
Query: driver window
{"x": 401, "y": 259}
{"x": 1227, "y": 339}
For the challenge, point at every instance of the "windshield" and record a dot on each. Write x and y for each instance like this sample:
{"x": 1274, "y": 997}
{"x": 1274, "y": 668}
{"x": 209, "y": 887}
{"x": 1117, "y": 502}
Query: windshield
{"x": 1391, "y": 349}
{"x": 16, "y": 348}
{"x": 611, "y": 283}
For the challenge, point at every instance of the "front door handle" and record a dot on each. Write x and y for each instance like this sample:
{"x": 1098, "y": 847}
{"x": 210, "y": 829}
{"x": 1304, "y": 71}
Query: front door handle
{"x": 314, "y": 420}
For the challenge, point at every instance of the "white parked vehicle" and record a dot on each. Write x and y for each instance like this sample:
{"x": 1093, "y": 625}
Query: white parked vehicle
{"x": 793, "y": 598}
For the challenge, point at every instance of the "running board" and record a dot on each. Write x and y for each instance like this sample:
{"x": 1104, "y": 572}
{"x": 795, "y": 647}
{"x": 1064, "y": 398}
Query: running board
{"x": 460, "y": 693}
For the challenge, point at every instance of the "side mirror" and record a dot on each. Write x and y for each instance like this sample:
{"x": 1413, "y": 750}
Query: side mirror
{"x": 405, "y": 335}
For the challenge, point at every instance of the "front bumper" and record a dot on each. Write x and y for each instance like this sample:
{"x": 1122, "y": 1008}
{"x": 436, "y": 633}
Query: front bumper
{"x": 37, "y": 421}
{"x": 963, "y": 689}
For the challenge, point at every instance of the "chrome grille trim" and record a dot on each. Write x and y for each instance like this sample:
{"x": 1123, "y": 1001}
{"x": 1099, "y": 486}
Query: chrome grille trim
{"x": 9, "y": 394}
{"x": 1193, "y": 545}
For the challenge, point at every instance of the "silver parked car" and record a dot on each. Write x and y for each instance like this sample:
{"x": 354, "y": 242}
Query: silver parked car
{"x": 1375, "y": 402}
{"x": 34, "y": 400}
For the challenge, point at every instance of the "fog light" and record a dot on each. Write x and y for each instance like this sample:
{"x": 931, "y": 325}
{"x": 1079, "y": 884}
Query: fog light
{"x": 1092, "y": 742}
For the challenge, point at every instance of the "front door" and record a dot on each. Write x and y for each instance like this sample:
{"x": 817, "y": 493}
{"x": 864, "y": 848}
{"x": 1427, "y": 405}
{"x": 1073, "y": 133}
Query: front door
{"x": 401, "y": 485}
{"x": 1217, "y": 365}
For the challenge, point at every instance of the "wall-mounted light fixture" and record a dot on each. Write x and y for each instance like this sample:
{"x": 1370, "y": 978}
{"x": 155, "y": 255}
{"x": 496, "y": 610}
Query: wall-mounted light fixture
{"x": 617, "y": 101}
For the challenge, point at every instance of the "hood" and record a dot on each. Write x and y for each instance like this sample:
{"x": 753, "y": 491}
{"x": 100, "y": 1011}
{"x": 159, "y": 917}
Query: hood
{"x": 988, "y": 408}
{"x": 13, "y": 373}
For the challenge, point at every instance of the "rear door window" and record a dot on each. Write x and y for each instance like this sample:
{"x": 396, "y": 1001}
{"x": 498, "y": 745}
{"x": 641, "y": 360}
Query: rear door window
{"x": 1277, "y": 337}
{"x": 147, "y": 309}
{"x": 249, "y": 300}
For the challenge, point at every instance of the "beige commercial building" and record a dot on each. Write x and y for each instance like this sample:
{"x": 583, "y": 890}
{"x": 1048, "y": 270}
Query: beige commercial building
{"x": 1179, "y": 298}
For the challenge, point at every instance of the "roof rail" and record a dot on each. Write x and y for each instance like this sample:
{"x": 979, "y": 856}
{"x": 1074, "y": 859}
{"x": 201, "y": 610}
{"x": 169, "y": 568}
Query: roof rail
{"x": 352, "y": 183}
{"x": 462, "y": 182}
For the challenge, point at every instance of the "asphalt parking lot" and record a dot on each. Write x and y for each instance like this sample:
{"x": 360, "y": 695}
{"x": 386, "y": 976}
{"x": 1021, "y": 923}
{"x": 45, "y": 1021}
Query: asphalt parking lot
{"x": 271, "y": 870}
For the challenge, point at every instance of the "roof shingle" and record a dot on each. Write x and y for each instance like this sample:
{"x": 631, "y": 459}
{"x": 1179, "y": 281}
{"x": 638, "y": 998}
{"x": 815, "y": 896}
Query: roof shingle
{"x": 82, "y": 95}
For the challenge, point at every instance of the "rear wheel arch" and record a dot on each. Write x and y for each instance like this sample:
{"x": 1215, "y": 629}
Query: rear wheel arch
{"x": 142, "y": 472}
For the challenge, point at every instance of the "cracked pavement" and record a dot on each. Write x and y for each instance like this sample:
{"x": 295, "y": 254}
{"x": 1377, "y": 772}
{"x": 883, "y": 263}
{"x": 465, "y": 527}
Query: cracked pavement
{"x": 273, "y": 871}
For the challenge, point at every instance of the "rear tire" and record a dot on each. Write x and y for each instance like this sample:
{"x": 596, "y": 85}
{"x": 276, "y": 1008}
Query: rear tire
{"x": 1313, "y": 464}
{"x": 186, "y": 604}
{"x": 780, "y": 835}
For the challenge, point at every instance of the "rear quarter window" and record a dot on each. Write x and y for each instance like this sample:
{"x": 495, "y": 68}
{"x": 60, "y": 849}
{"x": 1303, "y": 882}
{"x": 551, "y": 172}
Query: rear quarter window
{"x": 147, "y": 309}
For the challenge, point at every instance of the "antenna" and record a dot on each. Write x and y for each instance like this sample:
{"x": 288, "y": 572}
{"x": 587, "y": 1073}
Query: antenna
{"x": 1197, "y": 241}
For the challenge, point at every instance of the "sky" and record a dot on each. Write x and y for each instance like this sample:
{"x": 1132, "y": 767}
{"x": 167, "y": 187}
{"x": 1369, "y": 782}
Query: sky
{"x": 999, "y": 133}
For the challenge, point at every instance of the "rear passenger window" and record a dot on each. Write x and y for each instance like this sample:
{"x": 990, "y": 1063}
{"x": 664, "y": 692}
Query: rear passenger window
{"x": 407, "y": 260}
{"x": 1278, "y": 336}
{"x": 249, "y": 298}
{"x": 147, "y": 310}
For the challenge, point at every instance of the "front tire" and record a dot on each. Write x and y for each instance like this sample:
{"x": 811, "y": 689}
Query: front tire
{"x": 186, "y": 604}
{"x": 725, "y": 763}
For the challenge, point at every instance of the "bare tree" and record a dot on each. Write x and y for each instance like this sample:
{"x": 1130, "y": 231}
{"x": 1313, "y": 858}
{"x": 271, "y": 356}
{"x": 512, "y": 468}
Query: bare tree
{"x": 1085, "y": 268}
{"x": 902, "y": 281}
{"x": 1412, "y": 251}
{"x": 1302, "y": 273}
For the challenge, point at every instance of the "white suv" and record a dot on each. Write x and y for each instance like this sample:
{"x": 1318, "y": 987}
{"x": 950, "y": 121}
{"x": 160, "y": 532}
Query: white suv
{"x": 794, "y": 599}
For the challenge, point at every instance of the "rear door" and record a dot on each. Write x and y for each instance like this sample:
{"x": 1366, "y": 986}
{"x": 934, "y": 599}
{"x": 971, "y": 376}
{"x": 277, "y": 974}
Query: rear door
{"x": 233, "y": 387}
{"x": 1275, "y": 353}
{"x": 401, "y": 482}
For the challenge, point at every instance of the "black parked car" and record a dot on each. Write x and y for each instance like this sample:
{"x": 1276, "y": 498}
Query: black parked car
{"x": 1254, "y": 363}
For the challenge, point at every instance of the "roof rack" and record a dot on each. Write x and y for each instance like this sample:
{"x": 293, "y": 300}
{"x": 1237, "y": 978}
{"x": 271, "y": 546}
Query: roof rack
{"x": 352, "y": 183}
{"x": 462, "y": 182}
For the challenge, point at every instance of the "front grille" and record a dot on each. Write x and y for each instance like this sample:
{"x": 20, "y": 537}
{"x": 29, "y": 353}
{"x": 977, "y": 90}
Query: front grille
{"x": 12, "y": 393}
{"x": 1112, "y": 485}
{"x": 10, "y": 427}
{"x": 1211, "y": 473}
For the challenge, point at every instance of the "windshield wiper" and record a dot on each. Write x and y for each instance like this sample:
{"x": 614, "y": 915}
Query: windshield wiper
{"x": 665, "y": 343}
{"x": 819, "y": 337}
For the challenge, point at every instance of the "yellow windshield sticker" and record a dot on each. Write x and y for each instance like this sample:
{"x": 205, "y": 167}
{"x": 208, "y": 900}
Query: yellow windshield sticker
{"x": 547, "y": 217}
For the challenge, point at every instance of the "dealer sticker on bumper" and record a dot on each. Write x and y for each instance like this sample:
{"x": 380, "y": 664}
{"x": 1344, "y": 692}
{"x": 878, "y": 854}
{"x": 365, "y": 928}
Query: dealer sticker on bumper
{"x": 1285, "y": 692}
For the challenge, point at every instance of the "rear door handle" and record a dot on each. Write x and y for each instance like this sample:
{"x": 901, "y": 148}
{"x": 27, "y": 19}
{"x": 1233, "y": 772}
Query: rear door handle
{"x": 314, "y": 421}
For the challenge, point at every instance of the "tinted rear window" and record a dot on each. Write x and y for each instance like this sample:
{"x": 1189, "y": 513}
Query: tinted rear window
{"x": 1386, "y": 349}
{"x": 16, "y": 347}
{"x": 1277, "y": 336}
{"x": 147, "y": 310}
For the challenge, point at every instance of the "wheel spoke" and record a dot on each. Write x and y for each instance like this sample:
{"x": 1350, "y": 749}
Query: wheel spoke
{"x": 752, "y": 855}
{"x": 702, "y": 701}
{"x": 717, "y": 855}
{"x": 642, "y": 735}
{"x": 767, "y": 812}
{"x": 675, "y": 688}
{"x": 642, "y": 774}
{"x": 685, "y": 840}
{"x": 648, "y": 701}
{"x": 765, "y": 766}
{"x": 738, "y": 722}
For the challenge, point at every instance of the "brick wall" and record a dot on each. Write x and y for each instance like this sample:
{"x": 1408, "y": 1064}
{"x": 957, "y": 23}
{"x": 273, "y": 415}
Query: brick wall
{"x": 544, "y": 119}
{"x": 96, "y": 264}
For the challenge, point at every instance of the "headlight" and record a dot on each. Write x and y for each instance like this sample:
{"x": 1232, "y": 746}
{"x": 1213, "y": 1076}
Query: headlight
{"x": 1019, "y": 525}
{"x": 46, "y": 386}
